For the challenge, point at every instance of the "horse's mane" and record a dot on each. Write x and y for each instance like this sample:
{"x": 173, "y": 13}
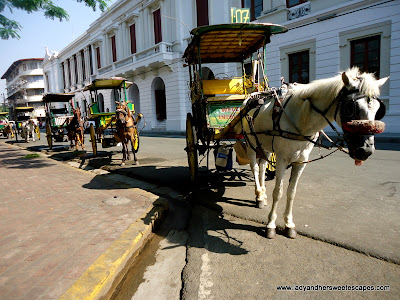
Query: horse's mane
{"x": 328, "y": 89}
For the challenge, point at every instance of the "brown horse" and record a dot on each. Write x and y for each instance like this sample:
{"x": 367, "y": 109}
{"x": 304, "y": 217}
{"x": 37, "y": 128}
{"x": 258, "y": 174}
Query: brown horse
{"x": 8, "y": 130}
{"x": 75, "y": 130}
{"x": 126, "y": 130}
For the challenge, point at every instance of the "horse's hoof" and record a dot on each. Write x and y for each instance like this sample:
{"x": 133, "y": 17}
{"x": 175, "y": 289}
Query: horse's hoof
{"x": 271, "y": 233}
{"x": 122, "y": 164}
{"x": 291, "y": 233}
{"x": 261, "y": 204}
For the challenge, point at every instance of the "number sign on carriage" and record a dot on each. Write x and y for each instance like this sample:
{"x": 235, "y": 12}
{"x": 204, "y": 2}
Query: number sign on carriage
{"x": 240, "y": 15}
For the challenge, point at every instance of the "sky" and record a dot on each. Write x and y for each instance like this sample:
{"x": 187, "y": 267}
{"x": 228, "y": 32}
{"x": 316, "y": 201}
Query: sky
{"x": 38, "y": 32}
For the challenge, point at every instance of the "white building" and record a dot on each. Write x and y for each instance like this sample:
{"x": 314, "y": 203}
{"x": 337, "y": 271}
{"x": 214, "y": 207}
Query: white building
{"x": 25, "y": 85}
{"x": 326, "y": 37}
{"x": 143, "y": 40}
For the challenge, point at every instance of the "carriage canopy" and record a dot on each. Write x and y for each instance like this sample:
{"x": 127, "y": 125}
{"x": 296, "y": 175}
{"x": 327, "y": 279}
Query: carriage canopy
{"x": 228, "y": 42}
{"x": 23, "y": 109}
{"x": 57, "y": 97}
{"x": 108, "y": 83}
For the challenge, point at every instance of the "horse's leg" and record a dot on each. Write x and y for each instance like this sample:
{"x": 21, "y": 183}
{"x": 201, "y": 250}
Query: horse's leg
{"x": 124, "y": 147}
{"x": 82, "y": 137}
{"x": 33, "y": 134}
{"x": 277, "y": 195}
{"x": 255, "y": 168}
{"x": 263, "y": 167}
{"x": 77, "y": 141}
{"x": 126, "y": 137}
{"x": 297, "y": 170}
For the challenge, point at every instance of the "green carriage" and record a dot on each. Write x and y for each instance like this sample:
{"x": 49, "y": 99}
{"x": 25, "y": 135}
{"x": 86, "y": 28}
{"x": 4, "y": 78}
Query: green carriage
{"x": 24, "y": 114}
{"x": 57, "y": 118}
{"x": 103, "y": 125}
{"x": 4, "y": 123}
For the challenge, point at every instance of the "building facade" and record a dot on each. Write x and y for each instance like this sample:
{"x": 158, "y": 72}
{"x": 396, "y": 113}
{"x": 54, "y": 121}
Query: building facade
{"x": 327, "y": 37}
{"x": 144, "y": 40}
{"x": 25, "y": 85}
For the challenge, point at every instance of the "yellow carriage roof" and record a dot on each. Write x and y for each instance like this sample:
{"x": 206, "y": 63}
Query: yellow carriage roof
{"x": 229, "y": 42}
{"x": 24, "y": 109}
{"x": 3, "y": 113}
{"x": 108, "y": 83}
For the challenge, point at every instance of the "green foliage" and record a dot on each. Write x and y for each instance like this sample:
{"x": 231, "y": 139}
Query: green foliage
{"x": 10, "y": 28}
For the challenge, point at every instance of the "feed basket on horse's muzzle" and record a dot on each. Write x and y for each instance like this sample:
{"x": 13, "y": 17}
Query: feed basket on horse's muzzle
{"x": 363, "y": 127}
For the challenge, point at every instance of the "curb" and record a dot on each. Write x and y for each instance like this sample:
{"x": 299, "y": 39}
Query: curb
{"x": 102, "y": 277}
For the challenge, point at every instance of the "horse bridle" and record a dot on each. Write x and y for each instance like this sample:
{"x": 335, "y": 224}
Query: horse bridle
{"x": 348, "y": 108}
{"x": 125, "y": 113}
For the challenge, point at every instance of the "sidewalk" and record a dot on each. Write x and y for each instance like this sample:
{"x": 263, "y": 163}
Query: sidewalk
{"x": 65, "y": 232}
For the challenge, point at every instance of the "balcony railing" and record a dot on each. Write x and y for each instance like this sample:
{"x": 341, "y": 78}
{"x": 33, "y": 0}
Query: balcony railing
{"x": 137, "y": 58}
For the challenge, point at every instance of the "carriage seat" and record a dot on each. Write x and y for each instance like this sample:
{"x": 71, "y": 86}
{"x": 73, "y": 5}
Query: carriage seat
{"x": 59, "y": 121}
{"x": 223, "y": 86}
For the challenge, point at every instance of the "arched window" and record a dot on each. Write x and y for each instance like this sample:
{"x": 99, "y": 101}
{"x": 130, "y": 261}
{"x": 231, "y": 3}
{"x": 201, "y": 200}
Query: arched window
{"x": 207, "y": 73}
{"x": 84, "y": 109}
{"x": 100, "y": 99}
{"x": 134, "y": 97}
{"x": 160, "y": 99}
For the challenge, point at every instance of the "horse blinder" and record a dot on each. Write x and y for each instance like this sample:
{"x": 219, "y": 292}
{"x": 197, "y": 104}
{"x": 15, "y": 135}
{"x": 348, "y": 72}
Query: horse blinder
{"x": 381, "y": 110}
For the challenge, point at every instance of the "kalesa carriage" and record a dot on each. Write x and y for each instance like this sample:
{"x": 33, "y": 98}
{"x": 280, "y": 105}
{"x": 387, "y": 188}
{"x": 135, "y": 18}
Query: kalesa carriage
{"x": 57, "y": 118}
{"x": 111, "y": 128}
{"x": 287, "y": 121}
{"x": 6, "y": 126}
{"x": 216, "y": 103}
{"x": 25, "y": 125}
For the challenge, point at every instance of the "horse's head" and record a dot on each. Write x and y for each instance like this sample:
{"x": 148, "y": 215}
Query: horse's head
{"x": 121, "y": 113}
{"x": 77, "y": 112}
{"x": 359, "y": 111}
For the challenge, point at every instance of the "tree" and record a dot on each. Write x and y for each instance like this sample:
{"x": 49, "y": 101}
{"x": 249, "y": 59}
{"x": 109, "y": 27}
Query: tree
{"x": 10, "y": 28}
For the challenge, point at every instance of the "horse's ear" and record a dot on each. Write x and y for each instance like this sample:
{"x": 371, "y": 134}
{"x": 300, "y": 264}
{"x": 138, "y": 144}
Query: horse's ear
{"x": 383, "y": 80}
{"x": 345, "y": 79}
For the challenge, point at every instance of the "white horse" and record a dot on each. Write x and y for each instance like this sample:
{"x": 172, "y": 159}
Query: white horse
{"x": 291, "y": 129}
{"x": 28, "y": 129}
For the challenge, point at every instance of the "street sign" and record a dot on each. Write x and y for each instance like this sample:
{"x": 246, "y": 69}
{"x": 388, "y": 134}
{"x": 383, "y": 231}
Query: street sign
{"x": 240, "y": 15}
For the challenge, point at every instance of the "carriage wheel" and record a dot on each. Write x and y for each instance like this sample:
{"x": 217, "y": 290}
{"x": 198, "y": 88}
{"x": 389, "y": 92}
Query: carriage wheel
{"x": 48, "y": 136}
{"x": 191, "y": 149}
{"x": 37, "y": 130}
{"x": 93, "y": 140}
{"x": 136, "y": 141}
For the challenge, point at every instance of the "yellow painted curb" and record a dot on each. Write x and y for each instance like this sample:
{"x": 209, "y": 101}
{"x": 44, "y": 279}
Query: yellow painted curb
{"x": 106, "y": 272}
